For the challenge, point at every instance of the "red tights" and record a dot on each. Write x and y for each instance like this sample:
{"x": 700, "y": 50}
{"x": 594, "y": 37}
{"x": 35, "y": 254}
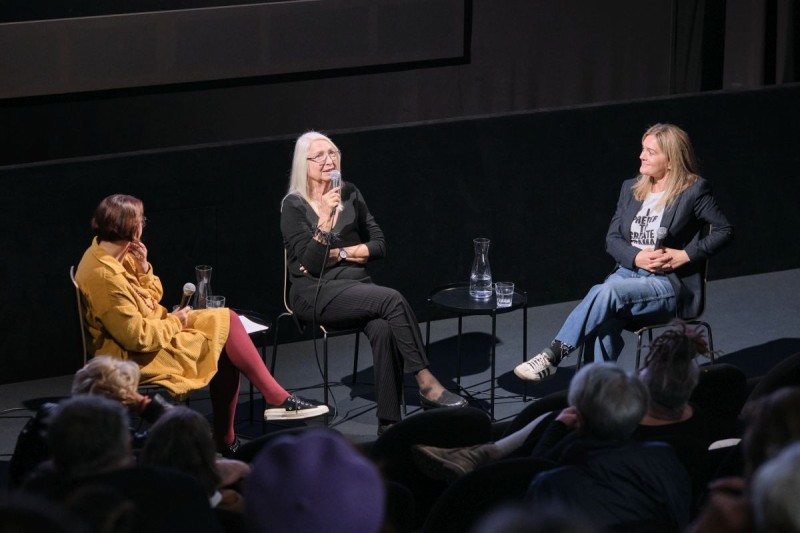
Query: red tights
{"x": 240, "y": 354}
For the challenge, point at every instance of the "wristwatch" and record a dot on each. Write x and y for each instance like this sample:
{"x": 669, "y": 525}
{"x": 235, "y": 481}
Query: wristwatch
{"x": 342, "y": 254}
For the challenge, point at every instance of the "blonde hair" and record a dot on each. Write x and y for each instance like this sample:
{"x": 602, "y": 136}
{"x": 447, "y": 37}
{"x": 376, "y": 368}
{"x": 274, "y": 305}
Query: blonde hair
{"x": 298, "y": 178}
{"x": 104, "y": 374}
{"x": 675, "y": 144}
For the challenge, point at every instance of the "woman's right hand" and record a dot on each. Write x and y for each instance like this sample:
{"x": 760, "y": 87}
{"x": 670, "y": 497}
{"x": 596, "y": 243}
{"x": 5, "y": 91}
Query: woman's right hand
{"x": 327, "y": 208}
{"x": 651, "y": 260}
{"x": 183, "y": 315}
{"x": 332, "y": 199}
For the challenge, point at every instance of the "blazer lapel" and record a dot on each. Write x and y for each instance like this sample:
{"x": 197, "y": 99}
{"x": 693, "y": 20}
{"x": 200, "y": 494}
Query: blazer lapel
{"x": 669, "y": 215}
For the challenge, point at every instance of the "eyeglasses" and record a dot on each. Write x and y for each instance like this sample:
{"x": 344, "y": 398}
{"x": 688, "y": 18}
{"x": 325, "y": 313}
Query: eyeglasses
{"x": 321, "y": 157}
{"x": 144, "y": 222}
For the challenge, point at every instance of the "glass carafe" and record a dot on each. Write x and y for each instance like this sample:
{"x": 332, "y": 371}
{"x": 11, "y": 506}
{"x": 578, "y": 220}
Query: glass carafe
{"x": 203, "y": 286}
{"x": 480, "y": 277}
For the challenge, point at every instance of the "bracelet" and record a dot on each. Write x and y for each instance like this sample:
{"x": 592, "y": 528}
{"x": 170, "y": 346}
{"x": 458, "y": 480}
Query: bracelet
{"x": 324, "y": 236}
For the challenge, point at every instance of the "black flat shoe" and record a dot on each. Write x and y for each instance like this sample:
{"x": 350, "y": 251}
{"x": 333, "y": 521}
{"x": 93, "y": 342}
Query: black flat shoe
{"x": 230, "y": 451}
{"x": 446, "y": 399}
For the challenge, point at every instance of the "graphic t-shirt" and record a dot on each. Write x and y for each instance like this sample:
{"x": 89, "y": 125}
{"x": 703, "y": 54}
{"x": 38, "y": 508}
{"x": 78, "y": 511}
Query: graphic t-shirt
{"x": 647, "y": 221}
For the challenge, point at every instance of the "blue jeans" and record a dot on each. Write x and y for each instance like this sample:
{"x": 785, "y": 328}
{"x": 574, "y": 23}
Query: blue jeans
{"x": 603, "y": 313}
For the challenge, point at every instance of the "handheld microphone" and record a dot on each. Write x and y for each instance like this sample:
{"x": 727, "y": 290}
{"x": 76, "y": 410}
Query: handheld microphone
{"x": 188, "y": 292}
{"x": 661, "y": 234}
{"x": 336, "y": 181}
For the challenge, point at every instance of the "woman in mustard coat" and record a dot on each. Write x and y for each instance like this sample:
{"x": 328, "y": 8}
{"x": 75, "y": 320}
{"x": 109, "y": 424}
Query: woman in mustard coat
{"x": 180, "y": 350}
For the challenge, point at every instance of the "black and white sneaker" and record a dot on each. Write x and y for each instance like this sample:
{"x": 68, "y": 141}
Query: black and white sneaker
{"x": 538, "y": 367}
{"x": 295, "y": 408}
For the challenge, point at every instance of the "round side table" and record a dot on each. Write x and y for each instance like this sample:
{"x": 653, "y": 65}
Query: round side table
{"x": 454, "y": 298}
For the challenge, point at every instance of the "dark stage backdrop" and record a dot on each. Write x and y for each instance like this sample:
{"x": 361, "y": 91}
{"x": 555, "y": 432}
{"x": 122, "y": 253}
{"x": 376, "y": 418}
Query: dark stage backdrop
{"x": 88, "y": 77}
{"x": 542, "y": 186}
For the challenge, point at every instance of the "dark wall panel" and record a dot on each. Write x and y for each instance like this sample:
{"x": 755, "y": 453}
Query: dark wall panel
{"x": 541, "y": 185}
{"x": 516, "y": 55}
{"x": 74, "y": 55}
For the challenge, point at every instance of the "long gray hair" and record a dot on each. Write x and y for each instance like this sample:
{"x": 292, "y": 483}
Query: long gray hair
{"x": 298, "y": 179}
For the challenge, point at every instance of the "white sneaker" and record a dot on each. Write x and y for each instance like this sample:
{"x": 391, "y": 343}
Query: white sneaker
{"x": 295, "y": 408}
{"x": 537, "y": 368}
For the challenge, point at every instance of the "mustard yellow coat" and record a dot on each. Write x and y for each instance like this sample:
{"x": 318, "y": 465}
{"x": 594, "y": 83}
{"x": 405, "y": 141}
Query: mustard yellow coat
{"x": 125, "y": 320}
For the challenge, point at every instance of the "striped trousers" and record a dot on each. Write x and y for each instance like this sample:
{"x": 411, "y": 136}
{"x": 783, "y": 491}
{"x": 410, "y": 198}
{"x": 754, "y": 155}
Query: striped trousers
{"x": 393, "y": 332}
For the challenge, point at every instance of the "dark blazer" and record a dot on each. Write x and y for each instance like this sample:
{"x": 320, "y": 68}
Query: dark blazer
{"x": 686, "y": 219}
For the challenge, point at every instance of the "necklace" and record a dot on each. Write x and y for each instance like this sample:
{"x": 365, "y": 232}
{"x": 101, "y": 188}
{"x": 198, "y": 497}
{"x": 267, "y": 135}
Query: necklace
{"x": 148, "y": 300}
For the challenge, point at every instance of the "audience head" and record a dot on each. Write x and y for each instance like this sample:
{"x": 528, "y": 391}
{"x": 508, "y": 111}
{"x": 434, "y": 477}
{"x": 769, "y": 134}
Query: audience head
{"x": 89, "y": 435}
{"x": 522, "y": 519}
{"x": 119, "y": 217}
{"x": 181, "y": 439}
{"x": 107, "y": 376}
{"x": 774, "y": 491}
{"x": 670, "y": 371}
{"x": 773, "y": 422}
{"x": 313, "y": 481}
{"x": 610, "y": 402}
{"x": 26, "y": 512}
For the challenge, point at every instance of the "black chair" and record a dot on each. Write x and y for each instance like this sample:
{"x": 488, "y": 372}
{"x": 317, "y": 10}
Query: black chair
{"x": 81, "y": 315}
{"x": 446, "y": 428}
{"x": 471, "y": 497}
{"x": 720, "y": 393}
{"x": 555, "y": 401}
{"x": 784, "y": 374}
{"x": 640, "y": 328}
{"x": 327, "y": 333}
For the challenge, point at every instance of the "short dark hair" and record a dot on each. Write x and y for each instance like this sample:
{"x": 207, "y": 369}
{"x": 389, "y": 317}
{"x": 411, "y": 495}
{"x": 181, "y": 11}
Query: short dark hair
{"x": 117, "y": 218}
{"x": 181, "y": 439}
{"x": 88, "y": 435}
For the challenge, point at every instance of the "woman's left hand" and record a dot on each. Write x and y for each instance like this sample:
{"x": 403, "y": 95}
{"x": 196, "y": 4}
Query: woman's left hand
{"x": 674, "y": 259}
{"x": 138, "y": 251}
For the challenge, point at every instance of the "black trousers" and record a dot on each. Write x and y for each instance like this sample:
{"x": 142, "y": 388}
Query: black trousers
{"x": 393, "y": 332}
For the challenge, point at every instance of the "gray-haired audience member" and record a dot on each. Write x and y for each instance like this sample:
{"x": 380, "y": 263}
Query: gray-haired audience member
{"x": 607, "y": 402}
{"x": 775, "y": 487}
{"x": 600, "y": 474}
{"x": 517, "y": 518}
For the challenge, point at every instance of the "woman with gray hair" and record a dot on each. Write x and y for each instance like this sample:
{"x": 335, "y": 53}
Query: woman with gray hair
{"x": 599, "y": 473}
{"x": 330, "y": 236}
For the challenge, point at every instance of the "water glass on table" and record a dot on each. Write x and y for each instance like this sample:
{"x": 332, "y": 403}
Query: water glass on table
{"x": 215, "y": 301}
{"x": 504, "y": 291}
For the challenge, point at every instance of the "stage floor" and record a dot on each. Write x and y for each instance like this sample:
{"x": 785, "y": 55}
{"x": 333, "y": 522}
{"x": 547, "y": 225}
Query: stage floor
{"x": 755, "y": 322}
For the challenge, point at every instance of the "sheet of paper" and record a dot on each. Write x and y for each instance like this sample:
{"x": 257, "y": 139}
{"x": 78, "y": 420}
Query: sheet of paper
{"x": 252, "y": 327}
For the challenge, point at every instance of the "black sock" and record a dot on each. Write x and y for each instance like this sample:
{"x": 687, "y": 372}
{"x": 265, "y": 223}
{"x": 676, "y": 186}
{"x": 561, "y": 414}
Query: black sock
{"x": 560, "y": 350}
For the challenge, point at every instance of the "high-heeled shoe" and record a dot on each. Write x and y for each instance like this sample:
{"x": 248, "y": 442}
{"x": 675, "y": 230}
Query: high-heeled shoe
{"x": 445, "y": 399}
